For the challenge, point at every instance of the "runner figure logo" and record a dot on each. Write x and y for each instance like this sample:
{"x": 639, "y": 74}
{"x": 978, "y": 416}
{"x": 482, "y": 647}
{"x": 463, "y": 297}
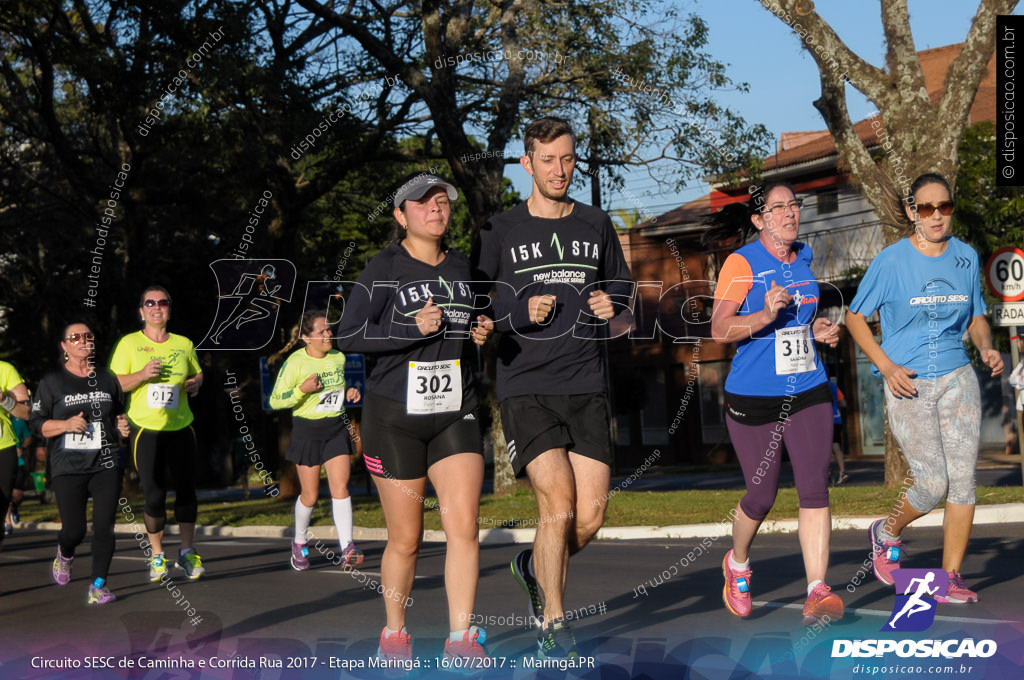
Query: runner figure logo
{"x": 914, "y": 610}
{"x": 250, "y": 293}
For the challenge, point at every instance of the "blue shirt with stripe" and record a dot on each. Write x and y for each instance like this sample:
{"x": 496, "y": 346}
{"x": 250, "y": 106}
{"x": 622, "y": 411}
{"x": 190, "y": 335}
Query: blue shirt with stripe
{"x": 753, "y": 368}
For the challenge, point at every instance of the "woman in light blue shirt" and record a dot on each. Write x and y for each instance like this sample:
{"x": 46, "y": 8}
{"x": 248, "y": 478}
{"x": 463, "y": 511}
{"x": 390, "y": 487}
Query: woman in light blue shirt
{"x": 926, "y": 289}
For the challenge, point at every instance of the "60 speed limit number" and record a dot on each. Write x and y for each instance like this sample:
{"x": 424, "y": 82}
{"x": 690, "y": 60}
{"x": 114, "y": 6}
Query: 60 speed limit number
{"x": 1005, "y": 274}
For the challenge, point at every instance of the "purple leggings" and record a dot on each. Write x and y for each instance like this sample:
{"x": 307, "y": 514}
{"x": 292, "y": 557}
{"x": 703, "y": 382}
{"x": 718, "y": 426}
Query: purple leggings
{"x": 808, "y": 438}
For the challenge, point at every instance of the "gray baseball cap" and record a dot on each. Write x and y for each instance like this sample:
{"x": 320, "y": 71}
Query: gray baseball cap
{"x": 419, "y": 185}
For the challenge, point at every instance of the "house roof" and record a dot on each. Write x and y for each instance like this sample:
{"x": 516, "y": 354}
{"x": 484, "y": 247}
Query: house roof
{"x": 685, "y": 215}
{"x": 800, "y": 147}
{"x": 814, "y": 145}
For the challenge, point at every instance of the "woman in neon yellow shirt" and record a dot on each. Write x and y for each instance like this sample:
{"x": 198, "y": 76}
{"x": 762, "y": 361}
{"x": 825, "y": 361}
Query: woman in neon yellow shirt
{"x": 312, "y": 384}
{"x": 14, "y": 400}
{"x": 160, "y": 371}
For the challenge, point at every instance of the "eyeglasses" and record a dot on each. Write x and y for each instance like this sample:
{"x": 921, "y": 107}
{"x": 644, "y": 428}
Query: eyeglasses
{"x": 163, "y": 302}
{"x": 779, "y": 208}
{"x": 78, "y": 338}
{"x": 926, "y": 210}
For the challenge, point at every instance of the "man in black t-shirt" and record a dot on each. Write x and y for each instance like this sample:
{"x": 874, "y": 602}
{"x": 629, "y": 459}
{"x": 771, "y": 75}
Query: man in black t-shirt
{"x": 559, "y": 275}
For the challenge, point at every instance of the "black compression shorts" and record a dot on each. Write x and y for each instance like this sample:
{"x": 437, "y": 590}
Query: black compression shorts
{"x": 397, "y": 445}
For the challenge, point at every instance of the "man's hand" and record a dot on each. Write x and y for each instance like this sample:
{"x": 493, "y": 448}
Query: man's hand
{"x": 541, "y": 307}
{"x": 601, "y": 304}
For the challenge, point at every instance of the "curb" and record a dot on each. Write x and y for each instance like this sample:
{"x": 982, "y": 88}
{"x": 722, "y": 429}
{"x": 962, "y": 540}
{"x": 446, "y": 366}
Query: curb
{"x": 983, "y": 514}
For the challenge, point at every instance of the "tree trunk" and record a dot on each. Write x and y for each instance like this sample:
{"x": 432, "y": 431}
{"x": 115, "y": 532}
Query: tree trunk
{"x": 504, "y": 478}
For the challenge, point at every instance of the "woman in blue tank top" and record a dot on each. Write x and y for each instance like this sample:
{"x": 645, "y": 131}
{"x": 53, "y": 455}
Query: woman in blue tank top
{"x": 777, "y": 392}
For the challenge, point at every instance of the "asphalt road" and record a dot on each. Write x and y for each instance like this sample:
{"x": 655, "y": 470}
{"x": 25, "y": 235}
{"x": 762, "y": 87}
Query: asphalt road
{"x": 648, "y": 609}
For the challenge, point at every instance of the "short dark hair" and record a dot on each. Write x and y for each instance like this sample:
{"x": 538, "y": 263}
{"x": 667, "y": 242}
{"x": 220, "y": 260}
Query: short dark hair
{"x": 150, "y": 289}
{"x": 544, "y": 130}
{"x": 734, "y": 220}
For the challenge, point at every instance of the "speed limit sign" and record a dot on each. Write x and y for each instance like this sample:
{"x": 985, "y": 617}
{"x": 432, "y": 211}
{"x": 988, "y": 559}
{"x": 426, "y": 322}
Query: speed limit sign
{"x": 1004, "y": 274}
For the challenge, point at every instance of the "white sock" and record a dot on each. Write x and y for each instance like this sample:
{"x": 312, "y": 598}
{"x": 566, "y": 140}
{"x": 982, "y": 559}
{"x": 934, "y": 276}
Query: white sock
{"x": 456, "y": 635}
{"x": 739, "y": 566}
{"x": 810, "y": 586}
{"x": 342, "y": 508}
{"x": 302, "y": 517}
{"x": 388, "y": 632}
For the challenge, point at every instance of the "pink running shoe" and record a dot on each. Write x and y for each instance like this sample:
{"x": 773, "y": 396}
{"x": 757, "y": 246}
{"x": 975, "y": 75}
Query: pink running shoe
{"x": 822, "y": 605}
{"x": 957, "y": 593}
{"x": 395, "y": 647}
{"x": 885, "y": 555}
{"x": 467, "y": 651}
{"x": 300, "y": 557}
{"x": 351, "y": 556}
{"x": 736, "y": 592}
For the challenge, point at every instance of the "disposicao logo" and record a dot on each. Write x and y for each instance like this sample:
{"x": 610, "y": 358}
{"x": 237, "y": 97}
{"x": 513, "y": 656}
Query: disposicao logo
{"x": 914, "y": 611}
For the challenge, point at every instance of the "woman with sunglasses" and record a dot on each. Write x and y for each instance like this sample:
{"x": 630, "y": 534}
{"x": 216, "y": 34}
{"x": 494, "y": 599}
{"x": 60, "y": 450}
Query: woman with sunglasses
{"x": 419, "y": 413}
{"x": 312, "y": 384}
{"x": 777, "y": 391}
{"x": 160, "y": 371}
{"x": 926, "y": 289}
{"x": 80, "y": 411}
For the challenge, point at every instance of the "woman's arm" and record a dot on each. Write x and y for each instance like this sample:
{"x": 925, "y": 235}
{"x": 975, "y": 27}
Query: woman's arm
{"x": 896, "y": 376}
{"x": 728, "y": 326}
{"x": 981, "y": 336}
{"x": 17, "y": 402}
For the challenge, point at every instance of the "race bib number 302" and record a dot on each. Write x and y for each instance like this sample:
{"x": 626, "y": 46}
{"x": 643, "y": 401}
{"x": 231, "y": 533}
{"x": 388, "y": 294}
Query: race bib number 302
{"x": 794, "y": 350}
{"x": 434, "y": 387}
{"x": 163, "y": 396}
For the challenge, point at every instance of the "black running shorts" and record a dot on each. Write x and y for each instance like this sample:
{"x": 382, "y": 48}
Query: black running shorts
{"x": 534, "y": 424}
{"x": 397, "y": 445}
{"x": 314, "y": 442}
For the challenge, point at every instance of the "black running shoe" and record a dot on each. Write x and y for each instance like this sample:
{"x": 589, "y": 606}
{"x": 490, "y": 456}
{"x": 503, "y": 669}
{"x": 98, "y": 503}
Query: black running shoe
{"x": 521, "y": 570}
{"x": 557, "y": 642}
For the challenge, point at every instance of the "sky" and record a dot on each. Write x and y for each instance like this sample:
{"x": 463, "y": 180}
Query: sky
{"x": 762, "y": 51}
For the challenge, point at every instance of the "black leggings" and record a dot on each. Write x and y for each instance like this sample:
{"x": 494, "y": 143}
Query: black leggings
{"x": 154, "y": 453}
{"x": 73, "y": 493}
{"x": 8, "y": 468}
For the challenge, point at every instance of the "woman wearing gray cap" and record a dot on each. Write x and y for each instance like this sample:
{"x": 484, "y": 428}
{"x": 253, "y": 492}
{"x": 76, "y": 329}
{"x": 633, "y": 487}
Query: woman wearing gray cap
{"x": 413, "y": 306}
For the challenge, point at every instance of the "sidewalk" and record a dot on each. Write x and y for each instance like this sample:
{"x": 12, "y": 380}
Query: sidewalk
{"x": 994, "y": 469}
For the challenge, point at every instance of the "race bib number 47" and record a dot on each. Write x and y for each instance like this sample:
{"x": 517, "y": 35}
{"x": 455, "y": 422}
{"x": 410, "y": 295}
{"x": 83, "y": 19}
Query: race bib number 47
{"x": 434, "y": 387}
{"x": 331, "y": 402}
{"x": 794, "y": 350}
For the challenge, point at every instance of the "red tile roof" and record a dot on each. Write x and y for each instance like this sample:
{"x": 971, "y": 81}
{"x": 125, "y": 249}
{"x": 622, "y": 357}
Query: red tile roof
{"x": 800, "y": 147}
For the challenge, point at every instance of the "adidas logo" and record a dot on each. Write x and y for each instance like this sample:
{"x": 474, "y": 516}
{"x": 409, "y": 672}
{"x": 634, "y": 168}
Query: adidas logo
{"x": 469, "y": 416}
{"x": 511, "y": 446}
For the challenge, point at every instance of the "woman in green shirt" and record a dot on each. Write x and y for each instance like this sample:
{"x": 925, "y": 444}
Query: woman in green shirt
{"x": 312, "y": 384}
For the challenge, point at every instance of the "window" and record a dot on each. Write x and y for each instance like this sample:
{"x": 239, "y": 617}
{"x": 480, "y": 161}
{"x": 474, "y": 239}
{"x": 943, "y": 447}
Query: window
{"x": 828, "y": 201}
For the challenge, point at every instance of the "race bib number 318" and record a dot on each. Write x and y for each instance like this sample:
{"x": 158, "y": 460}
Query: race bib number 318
{"x": 794, "y": 350}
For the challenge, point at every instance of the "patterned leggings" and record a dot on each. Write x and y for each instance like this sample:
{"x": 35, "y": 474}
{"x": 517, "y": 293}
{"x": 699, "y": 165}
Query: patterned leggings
{"x": 939, "y": 430}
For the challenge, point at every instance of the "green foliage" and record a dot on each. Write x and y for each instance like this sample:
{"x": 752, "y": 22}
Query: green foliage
{"x": 987, "y": 216}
